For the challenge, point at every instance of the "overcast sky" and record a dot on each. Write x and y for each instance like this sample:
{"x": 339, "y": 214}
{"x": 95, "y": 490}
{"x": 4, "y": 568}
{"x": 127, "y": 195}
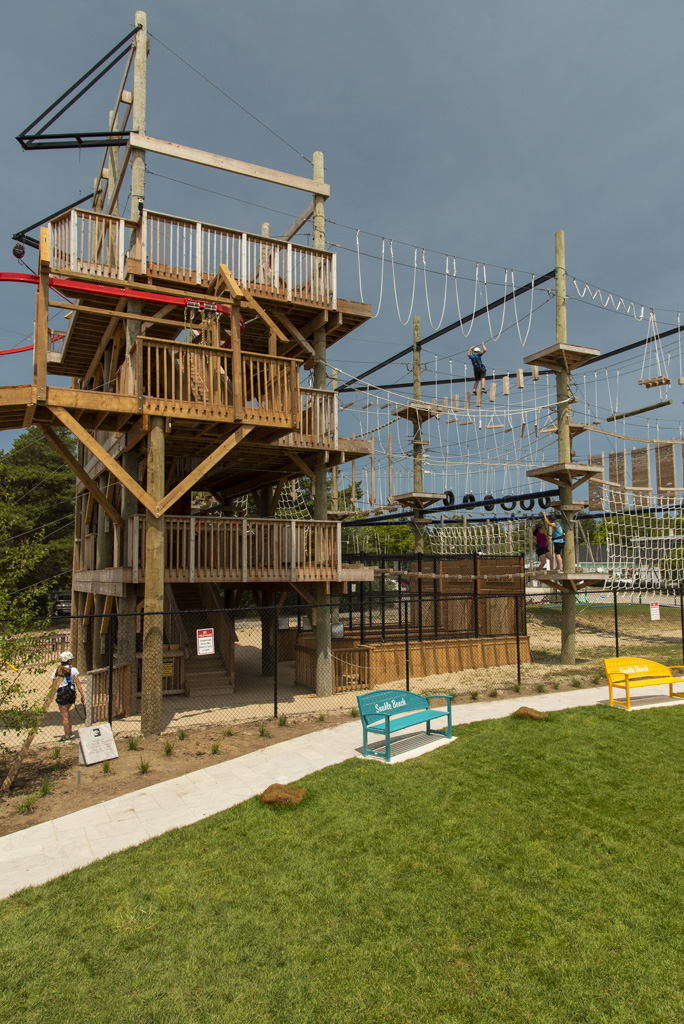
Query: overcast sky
{"x": 473, "y": 128}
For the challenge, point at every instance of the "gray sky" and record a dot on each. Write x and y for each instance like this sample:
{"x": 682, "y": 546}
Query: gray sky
{"x": 473, "y": 129}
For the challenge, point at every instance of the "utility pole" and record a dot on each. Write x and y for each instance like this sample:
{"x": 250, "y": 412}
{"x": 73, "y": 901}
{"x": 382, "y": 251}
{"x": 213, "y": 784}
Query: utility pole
{"x": 417, "y": 526}
{"x": 320, "y": 503}
{"x": 564, "y": 407}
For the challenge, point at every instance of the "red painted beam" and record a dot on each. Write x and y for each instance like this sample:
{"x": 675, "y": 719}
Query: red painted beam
{"x": 10, "y": 351}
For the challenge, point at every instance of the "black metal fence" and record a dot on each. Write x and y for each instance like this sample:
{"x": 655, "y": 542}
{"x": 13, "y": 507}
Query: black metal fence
{"x": 224, "y": 666}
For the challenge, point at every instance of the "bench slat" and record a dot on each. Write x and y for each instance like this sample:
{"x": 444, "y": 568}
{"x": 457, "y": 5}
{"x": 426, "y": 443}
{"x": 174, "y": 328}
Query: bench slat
{"x": 404, "y": 721}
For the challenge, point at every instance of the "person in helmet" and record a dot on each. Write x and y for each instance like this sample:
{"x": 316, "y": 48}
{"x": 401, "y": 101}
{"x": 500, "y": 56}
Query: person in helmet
{"x": 69, "y": 680}
{"x": 475, "y": 353}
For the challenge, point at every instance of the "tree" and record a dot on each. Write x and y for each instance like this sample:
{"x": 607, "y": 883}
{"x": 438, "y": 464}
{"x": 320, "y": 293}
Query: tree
{"x": 19, "y": 620}
{"x": 41, "y": 487}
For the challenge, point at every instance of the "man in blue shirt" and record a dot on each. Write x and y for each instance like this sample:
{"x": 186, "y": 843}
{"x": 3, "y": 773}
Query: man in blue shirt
{"x": 475, "y": 354}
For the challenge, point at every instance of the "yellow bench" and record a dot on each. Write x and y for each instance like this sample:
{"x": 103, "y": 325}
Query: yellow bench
{"x": 624, "y": 673}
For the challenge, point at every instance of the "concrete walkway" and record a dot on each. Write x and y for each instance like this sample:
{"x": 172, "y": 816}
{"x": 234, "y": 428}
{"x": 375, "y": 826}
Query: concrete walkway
{"x": 53, "y": 848}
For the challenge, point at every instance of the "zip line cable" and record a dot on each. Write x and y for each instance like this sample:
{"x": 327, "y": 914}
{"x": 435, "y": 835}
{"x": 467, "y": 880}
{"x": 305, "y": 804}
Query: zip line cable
{"x": 232, "y": 100}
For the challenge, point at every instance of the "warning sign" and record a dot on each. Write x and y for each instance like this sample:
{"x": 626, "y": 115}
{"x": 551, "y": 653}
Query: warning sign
{"x": 655, "y": 611}
{"x": 205, "y": 641}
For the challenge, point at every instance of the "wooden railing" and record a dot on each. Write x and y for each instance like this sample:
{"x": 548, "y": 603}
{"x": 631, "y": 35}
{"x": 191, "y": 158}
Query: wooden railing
{"x": 89, "y": 243}
{"x": 98, "y": 693}
{"x": 198, "y": 380}
{"x": 190, "y": 252}
{"x": 318, "y": 426}
{"x": 211, "y": 549}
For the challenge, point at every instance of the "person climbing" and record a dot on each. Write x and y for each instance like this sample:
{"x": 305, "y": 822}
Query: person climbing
{"x": 475, "y": 353}
{"x": 541, "y": 542}
{"x": 557, "y": 539}
{"x": 66, "y": 691}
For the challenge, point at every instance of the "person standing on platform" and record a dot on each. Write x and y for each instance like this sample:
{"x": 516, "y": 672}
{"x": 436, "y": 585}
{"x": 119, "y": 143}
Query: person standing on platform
{"x": 557, "y": 539}
{"x": 475, "y": 353}
{"x": 541, "y": 544}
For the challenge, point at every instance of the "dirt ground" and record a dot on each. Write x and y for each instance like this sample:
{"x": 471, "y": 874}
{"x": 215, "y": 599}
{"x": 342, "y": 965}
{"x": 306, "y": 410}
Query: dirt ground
{"x": 72, "y": 786}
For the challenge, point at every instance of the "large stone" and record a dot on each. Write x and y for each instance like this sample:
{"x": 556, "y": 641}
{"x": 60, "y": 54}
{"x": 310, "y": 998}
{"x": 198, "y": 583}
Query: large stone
{"x": 282, "y": 796}
{"x": 531, "y": 713}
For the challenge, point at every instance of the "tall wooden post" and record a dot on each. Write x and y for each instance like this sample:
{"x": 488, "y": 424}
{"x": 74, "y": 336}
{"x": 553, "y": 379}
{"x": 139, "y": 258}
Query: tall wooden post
{"x": 320, "y": 503}
{"x": 153, "y": 634}
{"x": 139, "y": 115}
{"x": 563, "y": 395}
{"x": 418, "y": 528}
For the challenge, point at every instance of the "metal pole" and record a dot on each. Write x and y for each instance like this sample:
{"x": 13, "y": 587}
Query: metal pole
{"x": 275, "y": 668}
{"x": 362, "y": 634}
{"x": 406, "y": 652}
{"x": 517, "y": 636}
{"x": 615, "y": 616}
{"x": 420, "y": 597}
{"x": 681, "y": 614}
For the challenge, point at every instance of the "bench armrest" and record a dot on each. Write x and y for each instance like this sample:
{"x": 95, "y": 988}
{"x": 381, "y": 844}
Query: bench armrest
{"x": 676, "y": 668}
{"x": 441, "y": 696}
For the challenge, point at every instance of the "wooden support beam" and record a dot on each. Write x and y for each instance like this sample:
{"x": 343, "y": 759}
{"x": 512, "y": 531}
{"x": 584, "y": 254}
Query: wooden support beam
{"x": 80, "y": 472}
{"x": 40, "y": 332}
{"x": 299, "y": 223}
{"x": 109, "y": 331}
{"x": 294, "y": 332}
{"x": 302, "y": 465}
{"x": 237, "y": 291}
{"x": 203, "y": 468}
{"x": 225, "y": 163}
{"x": 67, "y": 420}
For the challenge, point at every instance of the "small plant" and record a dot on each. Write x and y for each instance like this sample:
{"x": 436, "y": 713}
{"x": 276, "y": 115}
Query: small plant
{"x": 27, "y": 803}
{"x": 576, "y": 682}
{"x": 354, "y": 712}
{"x": 106, "y": 767}
{"x": 227, "y": 732}
{"x": 181, "y": 734}
{"x": 494, "y": 693}
{"x": 45, "y": 787}
{"x": 516, "y": 688}
{"x": 144, "y": 766}
{"x": 168, "y": 748}
{"x": 321, "y": 717}
{"x": 263, "y": 731}
{"x": 56, "y": 753}
{"x": 540, "y": 688}
{"x": 133, "y": 742}
{"x": 556, "y": 684}
{"x": 596, "y": 679}
{"x": 474, "y": 695}
{"x": 282, "y": 720}
{"x": 214, "y": 748}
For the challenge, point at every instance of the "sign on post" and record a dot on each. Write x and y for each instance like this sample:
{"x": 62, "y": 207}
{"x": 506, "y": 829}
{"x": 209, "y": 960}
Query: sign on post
{"x": 655, "y": 611}
{"x": 205, "y": 641}
{"x": 96, "y": 743}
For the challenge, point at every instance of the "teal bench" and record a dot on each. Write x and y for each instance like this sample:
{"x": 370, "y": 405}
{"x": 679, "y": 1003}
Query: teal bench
{"x": 388, "y": 711}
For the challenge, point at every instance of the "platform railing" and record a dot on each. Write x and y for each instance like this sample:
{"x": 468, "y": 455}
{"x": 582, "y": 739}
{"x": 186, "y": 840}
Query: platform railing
{"x": 190, "y": 252}
{"x": 318, "y": 426}
{"x": 199, "y": 380}
{"x": 222, "y": 550}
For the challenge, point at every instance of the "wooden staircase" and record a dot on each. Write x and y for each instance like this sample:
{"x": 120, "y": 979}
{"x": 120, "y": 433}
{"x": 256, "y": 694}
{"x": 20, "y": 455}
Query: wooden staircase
{"x": 207, "y": 674}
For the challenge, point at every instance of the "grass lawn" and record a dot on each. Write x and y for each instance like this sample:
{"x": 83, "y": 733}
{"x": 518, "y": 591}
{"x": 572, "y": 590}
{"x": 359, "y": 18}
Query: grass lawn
{"x": 528, "y": 872}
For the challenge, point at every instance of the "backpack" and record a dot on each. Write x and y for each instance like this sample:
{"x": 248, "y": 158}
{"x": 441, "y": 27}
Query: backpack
{"x": 476, "y": 360}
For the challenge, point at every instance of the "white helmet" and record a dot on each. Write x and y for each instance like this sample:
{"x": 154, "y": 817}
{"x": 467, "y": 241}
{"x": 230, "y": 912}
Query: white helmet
{"x": 65, "y": 657}
{"x": 476, "y": 351}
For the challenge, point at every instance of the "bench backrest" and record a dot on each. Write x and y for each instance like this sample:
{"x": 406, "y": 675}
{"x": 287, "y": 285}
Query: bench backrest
{"x": 374, "y": 706}
{"x": 618, "y": 668}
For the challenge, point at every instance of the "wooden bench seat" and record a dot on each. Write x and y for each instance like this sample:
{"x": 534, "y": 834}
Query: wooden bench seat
{"x": 387, "y": 711}
{"x": 627, "y": 673}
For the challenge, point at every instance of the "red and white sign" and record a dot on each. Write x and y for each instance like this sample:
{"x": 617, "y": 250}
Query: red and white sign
{"x": 205, "y": 641}
{"x": 655, "y": 611}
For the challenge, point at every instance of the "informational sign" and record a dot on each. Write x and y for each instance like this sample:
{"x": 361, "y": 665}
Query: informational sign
{"x": 205, "y": 641}
{"x": 96, "y": 743}
{"x": 655, "y": 611}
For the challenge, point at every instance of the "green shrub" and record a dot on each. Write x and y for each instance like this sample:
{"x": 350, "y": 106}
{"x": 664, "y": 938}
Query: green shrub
{"x": 181, "y": 734}
{"x": 214, "y": 748}
{"x": 168, "y": 748}
{"x": 494, "y": 693}
{"x": 576, "y": 682}
{"x": 282, "y": 720}
{"x": 106, "y": 767}
{"x": 354, "y": 712}
{"x": 227, "y": 732}
{"x": 45, "y": 787}
{"x": 143, "y": 767}
{"x": 27, "y": 803}
{"x": 263, "y": 731}
{"x": 540, "y": 688}
{"x": 133, "y": 742}
{"x": 474, "y": 695}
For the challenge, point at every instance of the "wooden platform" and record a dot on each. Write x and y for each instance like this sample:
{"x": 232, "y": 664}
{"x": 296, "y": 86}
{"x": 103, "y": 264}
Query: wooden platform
{"x": 562, "y": 357}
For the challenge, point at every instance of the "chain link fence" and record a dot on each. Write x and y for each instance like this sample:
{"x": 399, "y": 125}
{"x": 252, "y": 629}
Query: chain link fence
{"x": 236, "y": 665}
